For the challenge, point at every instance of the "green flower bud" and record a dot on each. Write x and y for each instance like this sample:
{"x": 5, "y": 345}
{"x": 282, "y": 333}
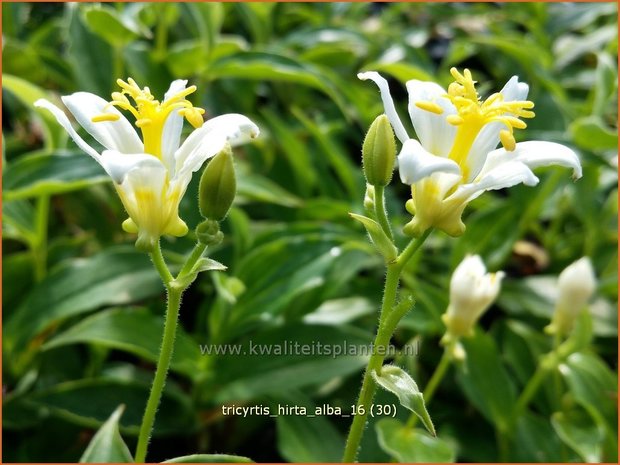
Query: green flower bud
{"x": 208, "y": 233}
{"x": 218, "y": 186}
{"x": 379, "y": 152}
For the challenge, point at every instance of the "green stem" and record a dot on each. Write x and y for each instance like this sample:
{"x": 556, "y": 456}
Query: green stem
{"x": 531, "y": 388}
{"x": 39, "y": 247}
{"x": 196, "y": 255}
{"x": 380, "y": 211}
{"x": 433, "y": 384}
{"x": 374, "y": 364}
{"x": 382, "y": 339}
{"x": 118, "y": 65}
{"x": 160, "y": 265}
{"x": 165, "y": 355}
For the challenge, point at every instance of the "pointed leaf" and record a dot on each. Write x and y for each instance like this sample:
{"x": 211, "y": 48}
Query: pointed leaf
{"x": 398, "y": 381}
{"x": 107, "y": 445}
{"x": 378, "y": 237}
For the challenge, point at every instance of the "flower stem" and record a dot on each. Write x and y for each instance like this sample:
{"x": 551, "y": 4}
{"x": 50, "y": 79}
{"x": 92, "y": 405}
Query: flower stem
{"x": 433, "y": 383}
{"x": 380, "y": 211}
{"x": 165, "y": 355}
{"x": 382, "y": 339}
{"x": 193, "y": 258}
{"x": 531, "y": 388}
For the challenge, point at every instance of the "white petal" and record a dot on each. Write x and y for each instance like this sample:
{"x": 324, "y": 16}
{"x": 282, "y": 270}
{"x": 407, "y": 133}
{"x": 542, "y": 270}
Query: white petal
{"x": 210, "y": 139}
{"x": 534, "y": 154}
{"x": 66, "y": 124}
{"x": 117, "y": 164}
{"x": 415, "y": 163}
{"x": 388, "y": 103}
{"x": 507, "y": 174}
{"x": 113, "y": 135}
{"x": 171, "y": 137}
{"x": 514, "y": 90}
{"x": 434, "y": 132}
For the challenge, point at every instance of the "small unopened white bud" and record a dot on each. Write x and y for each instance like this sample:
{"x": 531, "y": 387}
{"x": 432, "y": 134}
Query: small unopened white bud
{"x": 576, "y": 284}
{"x": 472, "y": 291}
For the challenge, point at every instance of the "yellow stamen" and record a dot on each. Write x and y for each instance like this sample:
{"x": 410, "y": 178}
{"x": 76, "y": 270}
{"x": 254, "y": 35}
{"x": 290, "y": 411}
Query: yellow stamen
{"x": 430, "y": 106}
{"x": 105, "y": 117}
{"x": 473, "y": 114}
{"x": 455, "y": 120}
{"x": 507, "y": 140}
{"x": 150, "y": 114}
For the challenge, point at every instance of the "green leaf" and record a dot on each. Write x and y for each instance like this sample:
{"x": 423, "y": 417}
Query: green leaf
{"x": 341, "y": 311}
{"x": 18, "y": 218}
{"x": 87, "y": 402}
{"x": 590, "y": 132}
{"x": 412, "y": 445}
{"x": 90, "y": 56}
{"x": 269, "y": 363}
{"x": 187, "y": 58}
{"x": 606, "y": 83}
{"x": 209, "y": 458}
{"x": 252, "y": 187}
{"x": 28, "y": 93}
{"x": 401, "y": 71}
{"x": 110, "y": 26}
{"x": 107, "y": 445}
{"x": 307, "y": 438}
{"x": 593, "y": 385}
{"x": 60, "y": 172}
{"x": 397, "y": 381}
{"x": 493, "y": 395}
{"x": 136, "y": 331}
{"x": 578, "y": 431}
{"x": 378, "y": 237}
{"x": 272, "y": 67}
{"x": 116, "y": 276}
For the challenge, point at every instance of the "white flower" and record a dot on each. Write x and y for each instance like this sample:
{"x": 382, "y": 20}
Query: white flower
{"x": 455, "y": 159}
{"x": 150, "y": 174}
{"x": 576, "y": 284}
{"x": 472, "y": 291}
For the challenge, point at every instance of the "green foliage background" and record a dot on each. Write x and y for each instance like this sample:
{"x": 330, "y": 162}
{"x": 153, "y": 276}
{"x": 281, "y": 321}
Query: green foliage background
{"x": 82, "y": 310}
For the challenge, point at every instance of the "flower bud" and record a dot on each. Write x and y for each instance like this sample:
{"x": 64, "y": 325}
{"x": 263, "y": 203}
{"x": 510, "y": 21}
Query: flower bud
{"x": 576, "y": 284}
{"x": 208, "y": 232}
{"x": 472, "y": 291}
{"x": 379, "y": 152}
{"x": 218, "y": 186}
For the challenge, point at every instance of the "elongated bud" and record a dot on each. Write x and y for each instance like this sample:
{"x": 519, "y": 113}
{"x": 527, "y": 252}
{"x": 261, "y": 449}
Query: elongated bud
{"x": 379, "y": 152}
{"x": 576, "y": 284}
{"x": 218, "y": 186}
{"x": 472, "y": 291}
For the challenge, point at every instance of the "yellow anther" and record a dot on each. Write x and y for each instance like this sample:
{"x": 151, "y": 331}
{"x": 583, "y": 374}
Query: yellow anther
{"x": 430, "y": 106}
{"x": 105, "y": 117}
{"x": 507, "y": 140}
{"x": 193, "y": 116}
{"x": 142, "y": 122}
{"x": 455, "y": 120}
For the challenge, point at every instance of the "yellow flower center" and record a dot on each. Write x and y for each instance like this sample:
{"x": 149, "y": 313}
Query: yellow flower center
{"x": 150, "y": 114}
{"x": 473, "y": 114}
